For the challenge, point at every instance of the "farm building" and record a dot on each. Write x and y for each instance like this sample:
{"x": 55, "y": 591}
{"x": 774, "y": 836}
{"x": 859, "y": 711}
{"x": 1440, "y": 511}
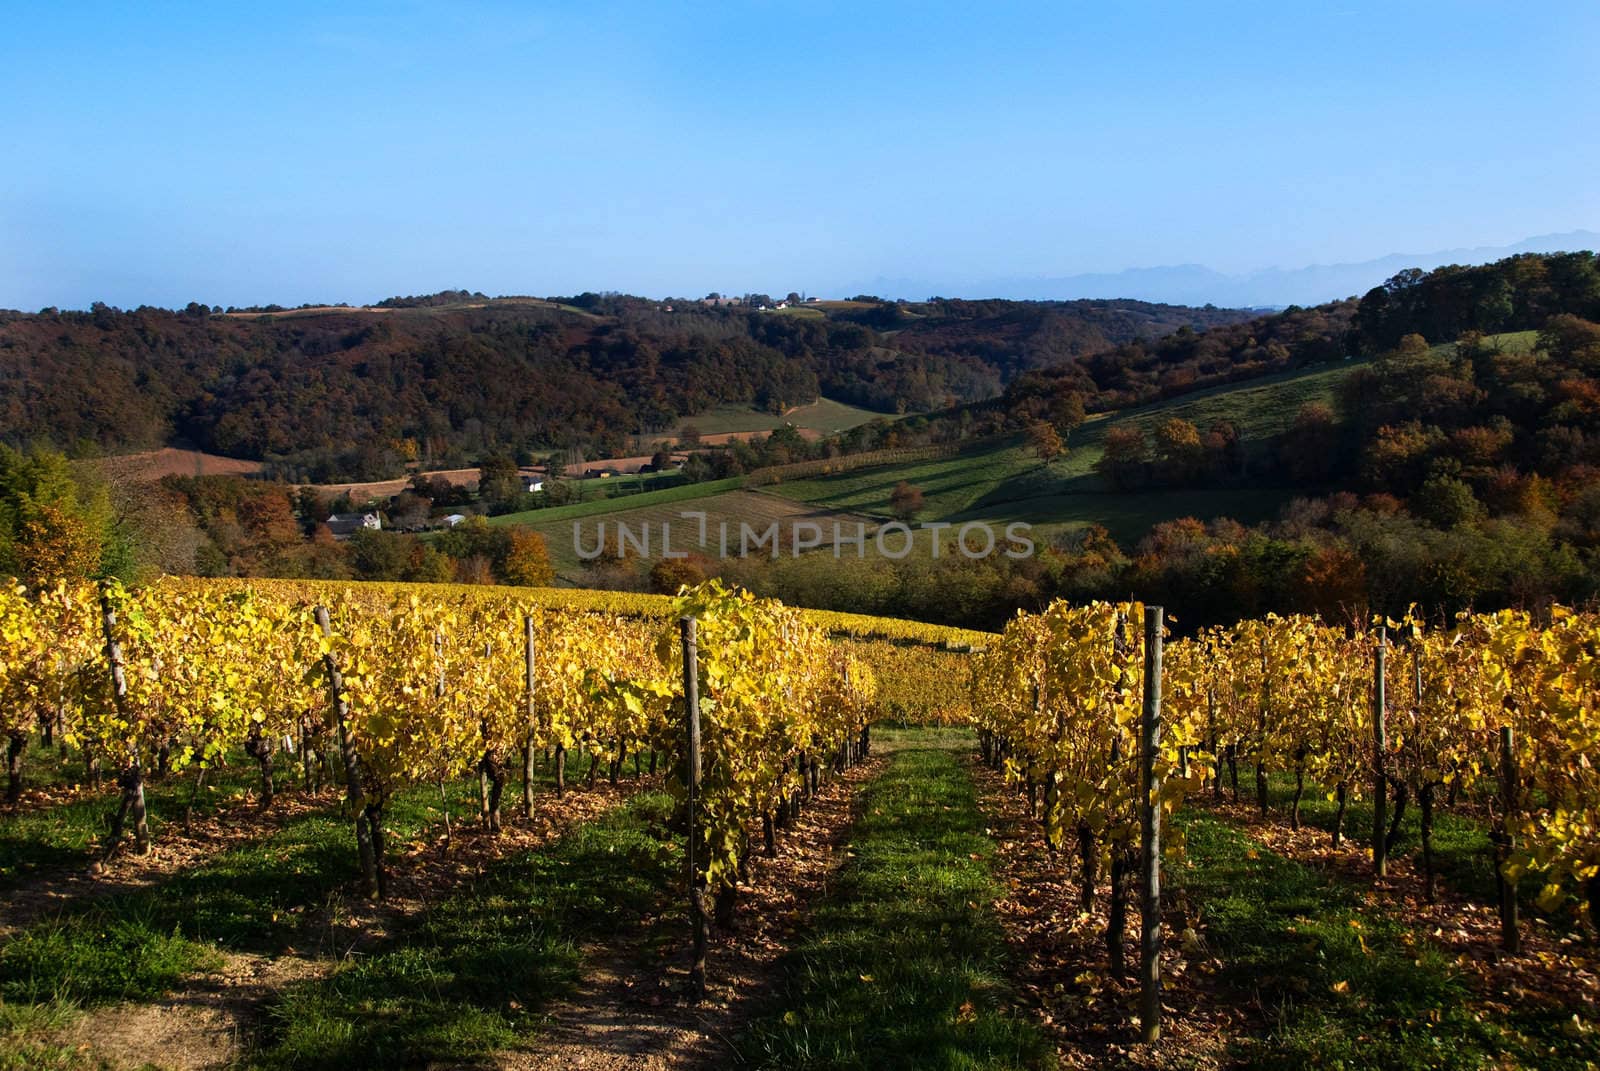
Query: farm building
{"x": 345, "y": 525}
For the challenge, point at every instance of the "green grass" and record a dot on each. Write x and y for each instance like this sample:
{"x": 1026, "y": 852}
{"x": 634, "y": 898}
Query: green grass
{"x": 830, "y": 417}
{"x": 255, "y": 897}
{"x": 49, "y": 767}
{"x": 470, "y": 976}
{"x": 723, "y": 420}
{"x": 41, "y": 838}
{"x": 597, "y": 507}
{"x": 1129, "y": 516}
{"x": 1463, "y": 853}
{"x": 1259, "y": 407}
{"x": 1005, "y": 483}
{"x": 600, "y": 488}
{"x": 735, "y": 509}
{"x": 1002, "y": 481}
{"x": 904, "y": 966}
{"x": 133, "y": 952}
{"x": 30, "y": 1039}
{"x": 1506, "y": 342}
{"x": 1341, "y": 984}
{"x": 950, "y": 485}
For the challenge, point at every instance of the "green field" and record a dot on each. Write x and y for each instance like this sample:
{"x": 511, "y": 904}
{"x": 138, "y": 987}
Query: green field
{"x": 595, "y": 507}
{"x": 1005, "y": 482}
{"x": 950, "y": 485}
{"x": 1258, "y": 407}
{"x": 1129, "y": 516}
{"x": 1514, "y": 341}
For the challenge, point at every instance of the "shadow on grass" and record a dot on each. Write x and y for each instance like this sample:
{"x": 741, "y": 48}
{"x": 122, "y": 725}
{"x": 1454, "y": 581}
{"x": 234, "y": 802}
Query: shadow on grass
{"x": 139, "y": 945}
{"x": 62, "y": 835}
{"x": 470, "y": 976}
{"x": 904, "y": 965}
{"x": 1463, "y": 854}
{"x": 31, "y": 1040}
{"x": 1339, "y": 985}
{"x": 251, "y": 898}
{"x": 28, "y": 847}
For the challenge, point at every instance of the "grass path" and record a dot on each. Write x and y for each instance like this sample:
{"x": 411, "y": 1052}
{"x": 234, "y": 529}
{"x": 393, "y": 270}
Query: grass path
{"x": 904, "y": 963}
{"x": 631, "y": 1008}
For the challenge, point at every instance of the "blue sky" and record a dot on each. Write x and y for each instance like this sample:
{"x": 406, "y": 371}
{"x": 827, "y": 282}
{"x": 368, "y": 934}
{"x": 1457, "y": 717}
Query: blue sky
{"x": 240, "y": 154}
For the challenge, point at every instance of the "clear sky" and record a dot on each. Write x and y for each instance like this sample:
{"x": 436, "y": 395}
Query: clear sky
{"x": 240, "y": 154}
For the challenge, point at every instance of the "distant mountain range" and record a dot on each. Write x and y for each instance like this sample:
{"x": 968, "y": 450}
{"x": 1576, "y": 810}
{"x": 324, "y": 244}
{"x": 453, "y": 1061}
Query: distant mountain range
{"x": 1196, "y": 284}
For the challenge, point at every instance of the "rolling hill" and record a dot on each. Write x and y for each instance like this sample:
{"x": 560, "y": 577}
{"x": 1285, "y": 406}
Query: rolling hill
{"x": 1001, "y": 481}
{"x": 996, "y": 482}
{"x": 332, "y": 394}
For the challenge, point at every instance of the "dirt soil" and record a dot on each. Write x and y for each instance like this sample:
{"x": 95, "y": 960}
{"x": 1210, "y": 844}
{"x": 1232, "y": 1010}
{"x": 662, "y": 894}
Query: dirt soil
{"x": 632, "y": 1014}
{"x": 1555, "y": 967}
{"x": 152, "y": 465}
{"x": 196, "y": 1029}
{"x": 175, "y": 848}
{"x": 1060, "y": 959}
{"x": 205, "y": 1024}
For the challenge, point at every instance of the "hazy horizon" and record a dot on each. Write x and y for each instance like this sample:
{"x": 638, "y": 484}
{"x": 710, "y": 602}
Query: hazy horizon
{"x": 1179, "y": 284}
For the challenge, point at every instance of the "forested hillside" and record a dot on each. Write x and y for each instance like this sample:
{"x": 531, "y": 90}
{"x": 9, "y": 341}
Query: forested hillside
{"x": 346, "y": 393}
{"x": 1516, "y": 294}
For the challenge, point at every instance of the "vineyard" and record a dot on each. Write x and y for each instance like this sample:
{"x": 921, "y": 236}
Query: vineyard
{"x": 856, "y": 841}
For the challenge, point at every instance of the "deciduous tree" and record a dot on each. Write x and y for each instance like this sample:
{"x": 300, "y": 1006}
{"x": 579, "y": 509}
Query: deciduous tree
{"x": 906, "y": 501}
{"x": 527, "y": 560}
{"x": 1045, "y": 442}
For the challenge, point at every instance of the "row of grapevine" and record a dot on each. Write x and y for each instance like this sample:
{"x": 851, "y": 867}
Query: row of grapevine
{"x": 630, "y": 604}
{"x": 772, "y": 707}
{"x": 419, "y": 686}
{"x": 917, "y": 684}
{"x": 1058, "y": 703}
{"x": 1495, "y": 712}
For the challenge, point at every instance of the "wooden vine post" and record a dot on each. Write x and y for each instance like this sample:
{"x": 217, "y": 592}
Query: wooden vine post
{"x": 697, "y": 893}
{"x": 494, "y": 763}
{"x": 528, "y": 739}
{"x": 352, "y": 765}
{"x": 1380, "y": 747}
{"x": 1510, "y": 938}
{"x": 132, "y": 775}
{"x": 444, "y": 798}
{"x": 1150, "y": 833}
